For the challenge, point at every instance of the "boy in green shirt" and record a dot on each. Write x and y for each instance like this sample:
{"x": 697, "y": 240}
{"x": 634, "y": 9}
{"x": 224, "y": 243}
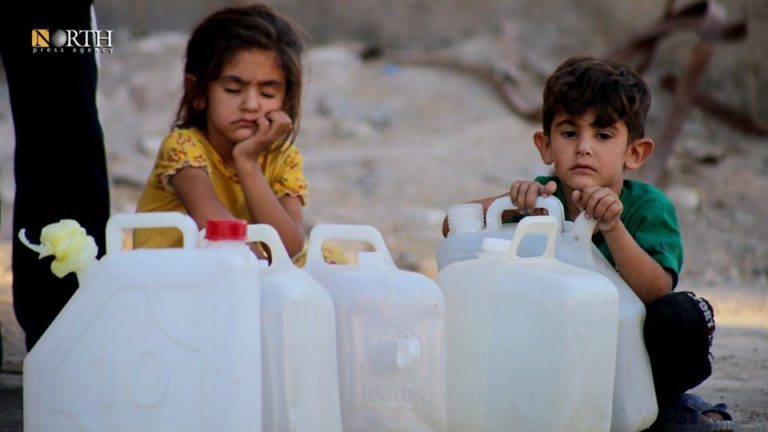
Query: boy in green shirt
{"x": 593, "y": 130}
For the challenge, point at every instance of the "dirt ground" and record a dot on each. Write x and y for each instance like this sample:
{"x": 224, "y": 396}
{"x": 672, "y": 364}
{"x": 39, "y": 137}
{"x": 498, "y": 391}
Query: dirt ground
{"x": 393, "y": 145}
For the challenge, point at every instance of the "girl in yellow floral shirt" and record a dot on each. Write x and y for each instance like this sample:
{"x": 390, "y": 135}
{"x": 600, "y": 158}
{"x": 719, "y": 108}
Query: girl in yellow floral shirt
{"x": 230, "y": 154}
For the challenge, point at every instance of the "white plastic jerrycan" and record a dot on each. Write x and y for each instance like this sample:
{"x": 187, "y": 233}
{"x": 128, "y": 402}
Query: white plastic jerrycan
{"x": 467, "y": 230}
{"x": 153, "y": 340}
{"x": 531, "y": 341}
{"x": 634, "y": 397}
{"x": 300, "y": 386}
{"x": 389, "y": 333}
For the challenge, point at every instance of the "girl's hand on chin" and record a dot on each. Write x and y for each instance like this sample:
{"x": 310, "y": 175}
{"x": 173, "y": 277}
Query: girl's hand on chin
{"x": 269, "y": 129}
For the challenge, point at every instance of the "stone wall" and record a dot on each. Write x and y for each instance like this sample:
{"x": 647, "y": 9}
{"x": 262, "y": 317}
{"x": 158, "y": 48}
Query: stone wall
{"x": 546, "y": 29}
{"x": 401, "y": 23}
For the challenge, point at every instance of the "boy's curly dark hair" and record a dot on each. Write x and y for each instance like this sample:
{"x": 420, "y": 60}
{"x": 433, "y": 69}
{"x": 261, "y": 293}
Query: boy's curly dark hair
{"x": 612, "y": 90}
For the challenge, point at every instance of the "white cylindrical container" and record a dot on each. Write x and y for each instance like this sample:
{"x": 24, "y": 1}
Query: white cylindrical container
{"x": 153, "y": 339}
{"x": 389, "y": 334}
{"x": 634, "y": 397}
{"x": 465, "y": 218}
{"x": 300, "y": 388}
{"x": 466, "y": 236}
{"x": 531, "y": 340}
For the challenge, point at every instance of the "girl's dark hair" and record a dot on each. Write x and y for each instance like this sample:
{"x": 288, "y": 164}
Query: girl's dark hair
{"x": 611, "y": 89}
{"x": 217, "y": 39}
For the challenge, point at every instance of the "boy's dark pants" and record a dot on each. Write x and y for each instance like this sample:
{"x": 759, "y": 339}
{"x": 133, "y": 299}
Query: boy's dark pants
{"x": 678, "y": 336}
{"x": 60, "y": 163}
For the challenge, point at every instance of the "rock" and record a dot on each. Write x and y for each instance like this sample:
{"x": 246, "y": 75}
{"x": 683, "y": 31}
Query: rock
{"x": 334, "y": 106}
{"x": 380, "y": 116}
{"x": 336, "y": 56}
{"x": 742, "y": 218}
{"x": 353, "y": 129}
{"x": 702, "y": 151}
{"x": 684, "y": 197}
{"x": 337, "y": 107}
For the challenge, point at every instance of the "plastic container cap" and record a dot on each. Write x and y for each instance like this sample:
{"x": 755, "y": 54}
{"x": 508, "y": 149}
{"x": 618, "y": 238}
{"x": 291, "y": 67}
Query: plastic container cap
{"x": 463, "y": 218}
{"x": 226, "y": 229}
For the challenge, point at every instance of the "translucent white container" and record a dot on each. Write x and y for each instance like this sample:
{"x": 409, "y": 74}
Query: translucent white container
{"x": 153, "y": 340}
{"x": 390, "y": 336}
{"x": 300, "y": 388}
{"x": 634, "y": 397}
{"x": 634, "y": 405}
{"x": 467, "y": 230}
{"x": 531, "y": 341}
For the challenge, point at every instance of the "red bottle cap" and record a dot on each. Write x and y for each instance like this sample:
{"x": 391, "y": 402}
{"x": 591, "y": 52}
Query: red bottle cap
{"x": 226, "y": 229}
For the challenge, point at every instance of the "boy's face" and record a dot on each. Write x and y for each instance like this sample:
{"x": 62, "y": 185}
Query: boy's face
{"x": 585, "y": 155}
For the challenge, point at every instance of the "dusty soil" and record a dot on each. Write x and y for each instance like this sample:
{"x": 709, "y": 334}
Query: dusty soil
{"x": 394, "y": 145}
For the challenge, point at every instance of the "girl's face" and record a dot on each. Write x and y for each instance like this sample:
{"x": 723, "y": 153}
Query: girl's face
{"x": 250, "y": 85}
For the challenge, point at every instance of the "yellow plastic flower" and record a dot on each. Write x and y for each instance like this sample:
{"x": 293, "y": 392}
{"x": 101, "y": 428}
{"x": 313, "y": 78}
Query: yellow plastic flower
{"x": 73, "y": 248}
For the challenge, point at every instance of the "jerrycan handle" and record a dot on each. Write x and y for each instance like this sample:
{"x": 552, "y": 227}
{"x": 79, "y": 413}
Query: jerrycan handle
{"x": 493, "y": 216}
{"x": 268, "y": 235}
{"x": 534, "y": 225}
{"x": 364, "y": 233}
{"x": 124, "y": 221}
{"x": 583, "y": 228}
{"x": 264, "y": 233}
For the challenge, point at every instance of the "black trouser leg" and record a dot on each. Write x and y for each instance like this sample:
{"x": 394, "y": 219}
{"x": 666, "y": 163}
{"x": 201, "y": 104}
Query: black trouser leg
{"x": 678, "y": 336}
{"x": 60, "y": 164}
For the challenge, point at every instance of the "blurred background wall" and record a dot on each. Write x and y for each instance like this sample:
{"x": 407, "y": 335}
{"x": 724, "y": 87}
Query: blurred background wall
{"x": 403, "y": 22}
{"x": 549, "y": 29}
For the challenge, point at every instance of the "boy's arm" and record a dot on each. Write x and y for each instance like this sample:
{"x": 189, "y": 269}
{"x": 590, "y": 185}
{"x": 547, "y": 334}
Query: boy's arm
{"x": 640, "y": 271}
{"x": 647, "y": 278}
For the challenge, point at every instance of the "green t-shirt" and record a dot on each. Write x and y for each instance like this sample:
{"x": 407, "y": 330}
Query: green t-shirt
{"x": 651, "y": 220}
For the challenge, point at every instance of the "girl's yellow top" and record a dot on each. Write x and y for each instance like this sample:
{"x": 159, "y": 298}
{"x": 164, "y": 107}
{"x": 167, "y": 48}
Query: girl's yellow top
{"x": 190, "y": 148}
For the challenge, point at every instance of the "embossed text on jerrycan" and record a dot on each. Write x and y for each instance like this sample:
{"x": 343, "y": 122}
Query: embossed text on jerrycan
{"x": 389, "y": 333}
{"x": 153, "y": 339}
{"x": 300, "y": 387}
{"x": 634, "y": 397}
{"x": 467, "y": 233}
{"x": 531, "y": 340}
